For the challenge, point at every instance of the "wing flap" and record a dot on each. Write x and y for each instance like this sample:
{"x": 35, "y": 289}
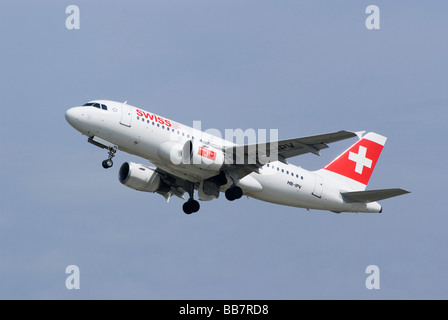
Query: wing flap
{"x": 372, "y": 195}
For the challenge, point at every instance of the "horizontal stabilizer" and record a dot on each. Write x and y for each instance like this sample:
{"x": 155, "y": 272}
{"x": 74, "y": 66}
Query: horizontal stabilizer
{"x": 372, "y": 195}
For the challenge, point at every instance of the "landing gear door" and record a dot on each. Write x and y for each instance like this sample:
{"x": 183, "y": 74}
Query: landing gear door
{"x": 318, "y": 186}
{"x": 126, "y": 115}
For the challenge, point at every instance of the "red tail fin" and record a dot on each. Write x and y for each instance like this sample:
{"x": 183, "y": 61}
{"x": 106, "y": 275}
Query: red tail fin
{"x": 358, "y": 161}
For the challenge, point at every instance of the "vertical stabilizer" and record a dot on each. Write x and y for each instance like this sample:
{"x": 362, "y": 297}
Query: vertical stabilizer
{"x": 355, "y": 165}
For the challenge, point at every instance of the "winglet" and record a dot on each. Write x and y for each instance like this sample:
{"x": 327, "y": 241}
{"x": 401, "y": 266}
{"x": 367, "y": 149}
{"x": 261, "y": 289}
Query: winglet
{"x": 359, "y": 134}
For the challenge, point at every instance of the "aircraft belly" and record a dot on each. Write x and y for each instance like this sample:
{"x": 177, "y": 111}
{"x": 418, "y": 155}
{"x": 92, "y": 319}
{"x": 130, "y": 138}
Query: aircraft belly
{"x": 280, "y": 189}
{"x": 249, "y": 184}
{"x": 276, "y": 189}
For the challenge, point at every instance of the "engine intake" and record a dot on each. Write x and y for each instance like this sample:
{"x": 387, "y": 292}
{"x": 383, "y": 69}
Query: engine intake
{"x": 139, "y": 177}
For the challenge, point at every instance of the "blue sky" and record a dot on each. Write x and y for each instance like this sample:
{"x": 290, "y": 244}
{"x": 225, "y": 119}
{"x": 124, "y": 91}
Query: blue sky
{"x": 303, "y": 67}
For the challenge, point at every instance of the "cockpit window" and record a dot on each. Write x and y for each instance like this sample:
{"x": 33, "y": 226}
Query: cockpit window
{"x": 96, "y": 105}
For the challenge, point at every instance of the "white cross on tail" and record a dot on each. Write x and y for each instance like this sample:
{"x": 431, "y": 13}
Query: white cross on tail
{"x": 360, "y": 159}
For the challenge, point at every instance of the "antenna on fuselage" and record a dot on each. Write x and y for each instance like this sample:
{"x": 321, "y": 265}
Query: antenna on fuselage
{"x": 125, "y": 102}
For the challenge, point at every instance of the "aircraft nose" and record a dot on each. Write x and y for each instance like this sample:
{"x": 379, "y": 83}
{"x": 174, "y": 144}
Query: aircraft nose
{"x": 72, "y": 115}
{"x": 76, "y": 118}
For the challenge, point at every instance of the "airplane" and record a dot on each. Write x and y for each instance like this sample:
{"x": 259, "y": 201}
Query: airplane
{"x": 186, "y": 159}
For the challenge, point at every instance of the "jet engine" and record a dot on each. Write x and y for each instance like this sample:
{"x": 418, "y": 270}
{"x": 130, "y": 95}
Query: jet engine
{"x": 139, "y": 177}
{"x": 171, "y": 152}
{"x": 202, "y": 156}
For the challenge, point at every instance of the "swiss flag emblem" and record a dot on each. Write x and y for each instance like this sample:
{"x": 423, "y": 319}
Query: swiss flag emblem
{"x": 358, "y": 161}
{"x": 206, "y": 153}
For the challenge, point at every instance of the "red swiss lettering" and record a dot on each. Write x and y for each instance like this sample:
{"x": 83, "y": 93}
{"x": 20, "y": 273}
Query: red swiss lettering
{"x": 153, "y": 117}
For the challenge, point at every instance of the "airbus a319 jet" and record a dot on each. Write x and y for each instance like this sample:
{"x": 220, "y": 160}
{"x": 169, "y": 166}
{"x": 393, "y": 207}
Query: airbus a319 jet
{"x": 186, "y": 159}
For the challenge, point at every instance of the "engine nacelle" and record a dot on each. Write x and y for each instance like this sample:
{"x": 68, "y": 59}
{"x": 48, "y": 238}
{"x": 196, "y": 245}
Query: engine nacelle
{"x": 171, "y": 152}
{"x": 202, "y": 156}
{"x": 139, "y": 177}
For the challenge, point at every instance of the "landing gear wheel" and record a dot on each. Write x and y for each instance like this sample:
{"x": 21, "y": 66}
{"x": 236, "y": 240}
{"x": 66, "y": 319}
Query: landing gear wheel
{"x": 229, "y": 194}
{"x": 107, "y": 163}
{"x": 234, "y": 193}
{"x": 238, "y": 192}
{"x": 186, "y": 208}
{"x": 195, "y": 205}
{"x": 191, "y": 206}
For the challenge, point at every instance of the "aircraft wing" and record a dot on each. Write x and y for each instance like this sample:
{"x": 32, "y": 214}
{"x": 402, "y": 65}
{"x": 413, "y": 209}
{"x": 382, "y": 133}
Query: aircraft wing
{"x": 249, "y": 158}
{"x": 255, "y": 155}
{"x": 176, "y": 186}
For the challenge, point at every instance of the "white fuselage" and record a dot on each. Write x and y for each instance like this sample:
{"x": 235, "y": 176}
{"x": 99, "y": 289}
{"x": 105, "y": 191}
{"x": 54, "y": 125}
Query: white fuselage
{"x": 141, "y": 133}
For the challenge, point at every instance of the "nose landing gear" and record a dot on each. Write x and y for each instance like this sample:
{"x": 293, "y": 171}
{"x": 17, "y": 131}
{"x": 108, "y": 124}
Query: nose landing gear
{"x": 108, "y": 162}
{"x": 101, "y": 143}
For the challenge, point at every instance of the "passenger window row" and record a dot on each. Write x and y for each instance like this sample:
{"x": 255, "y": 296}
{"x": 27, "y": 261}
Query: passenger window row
{"x": 285, "y": 171}
{"x": 163, "y": 127}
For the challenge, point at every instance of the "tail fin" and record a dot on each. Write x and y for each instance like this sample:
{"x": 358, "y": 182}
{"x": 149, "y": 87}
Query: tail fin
{"x": 355, "y": 165}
